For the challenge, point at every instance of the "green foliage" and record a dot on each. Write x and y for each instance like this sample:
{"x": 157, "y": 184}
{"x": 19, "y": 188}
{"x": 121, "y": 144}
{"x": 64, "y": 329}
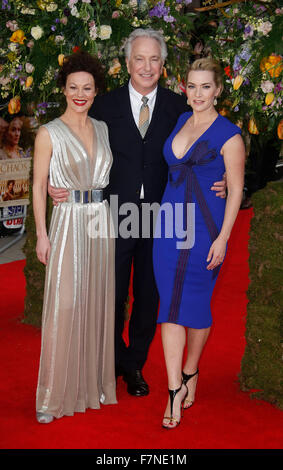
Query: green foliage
{"x": 262, "y": 365}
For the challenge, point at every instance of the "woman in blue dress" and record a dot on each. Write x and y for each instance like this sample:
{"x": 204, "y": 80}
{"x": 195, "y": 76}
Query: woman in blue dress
{"x": 200, "y": 149}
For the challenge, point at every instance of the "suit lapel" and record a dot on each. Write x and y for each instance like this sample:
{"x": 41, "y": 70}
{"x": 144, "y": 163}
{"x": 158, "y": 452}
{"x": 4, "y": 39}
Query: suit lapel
{"x": 126, "y": 109}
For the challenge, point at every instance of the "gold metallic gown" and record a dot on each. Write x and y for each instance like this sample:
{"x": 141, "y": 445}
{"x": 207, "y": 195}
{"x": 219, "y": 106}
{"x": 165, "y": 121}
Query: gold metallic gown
{"x": 77, "y": 352}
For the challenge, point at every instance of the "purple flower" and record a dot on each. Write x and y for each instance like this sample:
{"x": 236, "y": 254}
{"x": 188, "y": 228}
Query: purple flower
{"x": 160, "y": 10}
{"x": 5, "y": 5}
{"x": 169, "y": 19}
{"x": 239, "y": 24}
{"x": 245, "y": 55}
{"x": 278, "y": 88}
{"x": 248, "y": 31}
{"x": 236, "y": 65}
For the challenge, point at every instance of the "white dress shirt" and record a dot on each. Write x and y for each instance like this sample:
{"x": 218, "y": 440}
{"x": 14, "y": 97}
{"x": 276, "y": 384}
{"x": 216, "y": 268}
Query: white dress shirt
{"x": 136, "y": 102}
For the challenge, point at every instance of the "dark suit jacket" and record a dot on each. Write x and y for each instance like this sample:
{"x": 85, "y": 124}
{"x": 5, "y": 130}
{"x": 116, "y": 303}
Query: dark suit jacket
{"x": 138, "y": 161}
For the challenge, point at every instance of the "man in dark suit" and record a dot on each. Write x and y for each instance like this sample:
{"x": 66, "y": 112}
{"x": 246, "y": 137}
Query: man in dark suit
{"x": 138, "y": 176}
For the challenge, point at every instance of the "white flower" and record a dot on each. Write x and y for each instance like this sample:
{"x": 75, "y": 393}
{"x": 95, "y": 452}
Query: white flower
{"x": 265, "y": 28}
{"x": 28, "y": 11}
{"x": 267, "y": 86}
{"x": 74, "y": 12}
{"x": 105, "y": 32}
{"x": 36, "y": 32}
{"x": 71, "y": 3}
{"x": 13, "y": 47}
{"x": 29, "y": 67}
{"x": 92, "y": 30}
{"x": 133, "y": 3}
{"x": 59, "y": 39}
{"x": 51, "y": 7}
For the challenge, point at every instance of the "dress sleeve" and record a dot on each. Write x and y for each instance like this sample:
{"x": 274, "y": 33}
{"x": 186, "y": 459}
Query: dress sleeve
{"x": 228, "y": 130}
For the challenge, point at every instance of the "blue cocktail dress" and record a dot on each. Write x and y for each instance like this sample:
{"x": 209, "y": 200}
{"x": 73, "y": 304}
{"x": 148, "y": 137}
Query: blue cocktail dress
{"x": 184, "y": 283}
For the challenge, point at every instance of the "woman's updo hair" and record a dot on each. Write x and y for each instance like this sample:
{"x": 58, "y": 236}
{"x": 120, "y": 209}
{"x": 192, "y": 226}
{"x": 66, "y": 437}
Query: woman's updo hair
{"x": 82, "y": 61}
{"x": 208, "y": 64}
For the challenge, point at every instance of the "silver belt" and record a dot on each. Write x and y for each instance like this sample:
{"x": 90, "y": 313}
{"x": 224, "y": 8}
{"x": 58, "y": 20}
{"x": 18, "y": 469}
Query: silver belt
{"x": 85, "y": 197}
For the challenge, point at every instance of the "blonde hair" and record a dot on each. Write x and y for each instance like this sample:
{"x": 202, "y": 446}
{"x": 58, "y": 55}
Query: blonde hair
{"x": 208, "y": 64}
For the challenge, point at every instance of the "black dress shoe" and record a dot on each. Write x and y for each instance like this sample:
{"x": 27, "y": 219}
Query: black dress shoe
{"x": 136, "y": 384}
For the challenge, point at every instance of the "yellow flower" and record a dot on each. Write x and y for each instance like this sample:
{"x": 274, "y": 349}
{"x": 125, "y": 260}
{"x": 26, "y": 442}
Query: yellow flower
{"x": 280, "y": 129}
{"x": 14, "y": 105}
{"x": 18, "y": 36}
{"x": 238, "y": 82}
{"x": 269, "y": 98}
{"x": 44, "y": 4}
{"x": 165, "y": 72}
{"x": 224, "y": 112}
{"x": 61, "y": 59}
{"x": 272, "y": 64}
{"x": 115, "y": 67}
{"x": 29, "y": 81}
{"x": 252, "y": 127}
{"x": 236, "y": 102}
{"x": 118, "y": 3}
{"x": 12, "y": 56}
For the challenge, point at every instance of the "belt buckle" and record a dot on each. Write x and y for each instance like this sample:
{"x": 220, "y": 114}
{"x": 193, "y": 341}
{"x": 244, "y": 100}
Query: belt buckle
{"x": 85, "y": 197}
{"x": 96, "y": 195}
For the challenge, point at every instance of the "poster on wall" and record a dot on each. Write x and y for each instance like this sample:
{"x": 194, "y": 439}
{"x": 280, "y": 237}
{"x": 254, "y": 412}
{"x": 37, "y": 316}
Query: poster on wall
{"x": 15, "y": 164}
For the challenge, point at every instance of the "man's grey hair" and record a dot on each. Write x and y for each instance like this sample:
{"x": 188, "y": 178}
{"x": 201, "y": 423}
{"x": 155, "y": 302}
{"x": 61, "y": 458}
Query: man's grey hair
{"x": 147, "y": 33}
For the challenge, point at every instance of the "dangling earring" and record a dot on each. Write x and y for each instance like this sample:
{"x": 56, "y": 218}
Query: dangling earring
{"x": 215, "y": 101}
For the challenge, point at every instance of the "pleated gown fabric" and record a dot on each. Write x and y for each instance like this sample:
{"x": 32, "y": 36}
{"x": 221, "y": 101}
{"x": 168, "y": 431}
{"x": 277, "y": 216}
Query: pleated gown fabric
{"x": 77, "y": 352}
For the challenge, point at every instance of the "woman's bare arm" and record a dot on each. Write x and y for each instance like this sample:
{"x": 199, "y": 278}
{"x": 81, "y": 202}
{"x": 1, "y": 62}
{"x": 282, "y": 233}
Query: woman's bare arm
{"x": 42, "y": 156}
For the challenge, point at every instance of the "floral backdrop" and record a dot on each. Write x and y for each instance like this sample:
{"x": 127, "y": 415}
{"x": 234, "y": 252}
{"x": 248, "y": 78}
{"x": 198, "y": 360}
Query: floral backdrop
{"x": 245, "y": 36}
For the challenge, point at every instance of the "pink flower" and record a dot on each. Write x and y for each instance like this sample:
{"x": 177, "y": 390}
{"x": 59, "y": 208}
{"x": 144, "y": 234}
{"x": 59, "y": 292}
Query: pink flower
{"x": 116, "y": 14}
{"x": 12, "y": 25}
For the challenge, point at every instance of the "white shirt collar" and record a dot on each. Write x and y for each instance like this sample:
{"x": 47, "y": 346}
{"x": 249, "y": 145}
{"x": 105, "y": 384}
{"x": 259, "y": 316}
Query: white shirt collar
{"x": 137, "y": 95}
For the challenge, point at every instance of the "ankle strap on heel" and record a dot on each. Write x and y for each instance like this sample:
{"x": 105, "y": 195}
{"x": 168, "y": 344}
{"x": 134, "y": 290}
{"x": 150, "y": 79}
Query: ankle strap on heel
{"x": 187, "y": 377}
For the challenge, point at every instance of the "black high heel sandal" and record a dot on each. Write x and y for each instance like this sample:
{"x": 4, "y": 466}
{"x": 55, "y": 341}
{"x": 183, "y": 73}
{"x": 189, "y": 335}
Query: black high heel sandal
{"x": 172, "y": 395}
{"x": 186, "y": 378}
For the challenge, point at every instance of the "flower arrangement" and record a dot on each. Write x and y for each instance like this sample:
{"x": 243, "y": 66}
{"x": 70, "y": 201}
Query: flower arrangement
{"x": 36, "y": 36}
{"x": 244, "y": 36}
{"x": 247, "y": 39}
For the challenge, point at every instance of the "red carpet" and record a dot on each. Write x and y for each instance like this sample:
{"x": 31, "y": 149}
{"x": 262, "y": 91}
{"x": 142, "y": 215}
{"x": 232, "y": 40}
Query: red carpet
{"x": 222, "y": 417}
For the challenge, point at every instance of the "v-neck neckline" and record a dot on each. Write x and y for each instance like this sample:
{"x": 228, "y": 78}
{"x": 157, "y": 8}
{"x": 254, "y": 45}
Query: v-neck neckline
{"x": 194, "y": 143}
{"x": 95, "y": 134}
